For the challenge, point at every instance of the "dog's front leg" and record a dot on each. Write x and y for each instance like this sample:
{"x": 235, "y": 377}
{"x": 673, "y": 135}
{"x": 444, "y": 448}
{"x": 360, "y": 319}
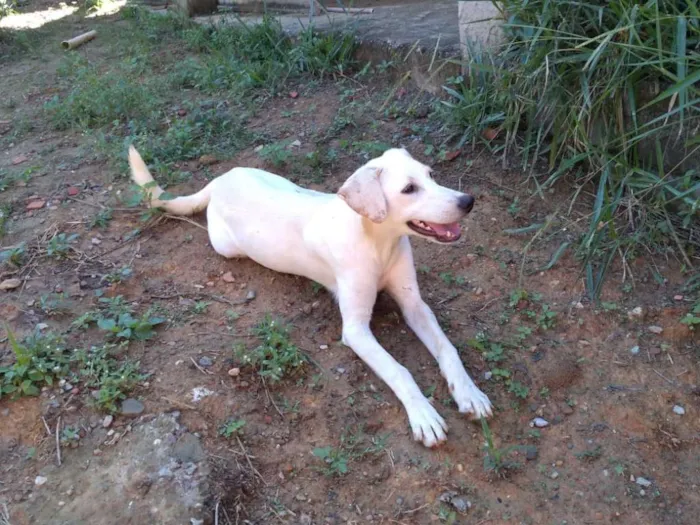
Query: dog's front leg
{"x": 356, "y": 310}
{"x": 403, "y": 287}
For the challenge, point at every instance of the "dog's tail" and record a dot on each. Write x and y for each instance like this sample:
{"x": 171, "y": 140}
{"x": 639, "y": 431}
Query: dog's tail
{"x": 179, "y": 205}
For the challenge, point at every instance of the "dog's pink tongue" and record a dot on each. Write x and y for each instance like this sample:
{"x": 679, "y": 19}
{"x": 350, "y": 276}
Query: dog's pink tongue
{"x": 443, "y": 229}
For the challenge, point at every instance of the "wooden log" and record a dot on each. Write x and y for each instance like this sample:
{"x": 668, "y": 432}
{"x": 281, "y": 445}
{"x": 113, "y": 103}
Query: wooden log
{"x": 78, "y": 40}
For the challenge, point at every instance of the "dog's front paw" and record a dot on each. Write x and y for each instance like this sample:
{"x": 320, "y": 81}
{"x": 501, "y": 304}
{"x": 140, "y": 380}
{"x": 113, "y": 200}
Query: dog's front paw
{"x": 427, "y": 425}
{"x": 471, "y": 400}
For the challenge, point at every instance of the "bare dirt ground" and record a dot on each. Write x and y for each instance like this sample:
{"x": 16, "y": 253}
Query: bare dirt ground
{"x": 614, "y": 450}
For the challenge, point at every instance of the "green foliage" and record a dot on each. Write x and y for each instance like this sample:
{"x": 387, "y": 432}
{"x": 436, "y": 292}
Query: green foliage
{"x": 232, "y": 427}
{"x": 39, "y": 360}
{"x": 497, "y": 460}
{"x": 113, "y": 379}
{"x": 276, "y": 356}
{"x": 336, "y": 460}
{"x": 59, "y": 245}
{"x": 605, "y": 93}
{"x": 118, "y": 319}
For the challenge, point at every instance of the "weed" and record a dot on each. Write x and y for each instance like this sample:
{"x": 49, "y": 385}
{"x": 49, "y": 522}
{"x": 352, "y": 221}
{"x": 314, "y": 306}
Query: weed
{"x": 69, "y": 434}
{"x": 101, "y": 219}
{"x": 493, "y": 352}
{"x": 497, "y": 460}
{"x": 232, "y": 427}
{"x": 590, "y": 455}
{"x": 547, "y": 318}
{"x": 518, "y": 389}
{"x": 39, "y": 360}
{"x": 692, "y": 318}
{"x": 59, "y": 245}
{"x": 278, "y": 153}
{"x": 53, "y": 304}
{"x": 276, "y": 356}
{"x": 118, "y": 276}
{"x": 200, "y": 307}
{"x": 112, "y": 379}
{"x": 336, "y": 460}
{"x": 14, "y": 256}
{"x": 125, "y": 326}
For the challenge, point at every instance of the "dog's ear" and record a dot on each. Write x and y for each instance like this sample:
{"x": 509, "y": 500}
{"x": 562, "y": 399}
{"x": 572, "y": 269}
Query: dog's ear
{"x": 364, "y": 194}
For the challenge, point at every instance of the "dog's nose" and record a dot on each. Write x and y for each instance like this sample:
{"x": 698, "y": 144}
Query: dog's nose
{"x": 465, "y": 203}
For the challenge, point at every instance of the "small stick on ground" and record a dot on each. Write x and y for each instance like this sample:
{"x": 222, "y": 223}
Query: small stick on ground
{"x": 269, "y": 398}
{"x": 46, "y": 426}
{"x": 250, "y": 464}
{"x": 58, "y": 441}
{"x": 663, "y": 377}
{"x": 199, "y": 367}
{"x": 179, "y": 404}
{"x": 185, "y": 219}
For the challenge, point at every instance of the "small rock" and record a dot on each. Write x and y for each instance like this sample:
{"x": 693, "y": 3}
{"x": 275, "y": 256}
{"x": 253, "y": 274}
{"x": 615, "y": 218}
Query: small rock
{"x": 97, "y": 452}
{"x": 677, "y": 409}
{"x": 207, "y": 160}
{"x": 250, "y": 295}
{"x": 10, "y": 284}
{"x": 132, "y": 407}
{"x": 258, "y": 148}
{"x": 634, "y": 350}
{"x": 205, "y": 362}
{"x": 61, "y": 503}
{"x": 488, "y": 375}
{"x": 19, "y": 159}
{"x": 40, "y": 480}
{"x": 199, "y": 393}
{"x": 677, "y": 297}
{"x": 75, "y": 391}
{"x": 107, "y": 421}
{"x": 293, "y": 94}
{"x": 234, "y": 372}
{"x": 95, "y": 241}
{"x": 67, "y": 387}
{"x": 655, "y": 329}
{"x": 461, "y": 504}
{"x": 35, "y": 205}
{"x": 73, "y": 191}
{"x": 323, "y": 347}
{"x": 554, "y": 475}
{"x": 636, "y": 313}
{"x": 228, "y": 278}
{"x": 479, "y": 291}
{"x": 539, "y": 422}
{"x": 194, "y": 521}
{"x": 643, "y": 482}
{"x": 531, "y": 453}
{"x": 296, "y": 144}
{"x": 42, "y": 326}
{"x": 340, "y": 370}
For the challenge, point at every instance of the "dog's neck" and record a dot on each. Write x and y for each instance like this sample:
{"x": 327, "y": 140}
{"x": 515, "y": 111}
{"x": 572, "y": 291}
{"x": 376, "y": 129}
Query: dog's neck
{"x": 385, "y": 235}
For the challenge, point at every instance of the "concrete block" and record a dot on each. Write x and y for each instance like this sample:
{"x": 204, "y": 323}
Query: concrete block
{"x": 480, "y": 27}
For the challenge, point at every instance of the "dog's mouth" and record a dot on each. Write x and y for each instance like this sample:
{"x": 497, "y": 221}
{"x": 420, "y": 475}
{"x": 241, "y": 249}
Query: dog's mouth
{"x": 446, "y": 233}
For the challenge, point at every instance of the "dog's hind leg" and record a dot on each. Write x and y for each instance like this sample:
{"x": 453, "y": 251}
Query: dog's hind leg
{"x": 221, "y": 236}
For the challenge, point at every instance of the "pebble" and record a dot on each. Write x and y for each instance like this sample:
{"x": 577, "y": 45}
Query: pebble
{"x": 250, "y": 295}
{"x": 296, "y": 144}
{"x": 35, "y": 205}
{"x": 323, "y": 347}
{"x": 539, "y": 422}
{"x": 531, "y": 453}
{"x": 67, "y": 387}
{"x": 40, "y": 480}
{"x": 228, "y": 277}
{"x": 42, "y": 326}
{"x": 10, "y": 284}
{"x": 205, "y": 362}
{"x": 554, "y": 475}
{"x": 677, "y": 297}
{"x": 677, "y": 409}
{"x": 655, "y": 329}
{"x": 258, "y": 148}
{"x": 340, "y": 370}
{"x": 107, "y": 421}
{"x": 643, "y": 482}
{"x": 634, "y": 350}
{"x": 488, "y": 375}
{"x": 132, "y": 407}
{"x": 636, "y": 313}
{"x": 73, "y": 191}
{"x": 461, "y": 504}
{"x": 95, "y": 241}
{"x": 234, "y": 372}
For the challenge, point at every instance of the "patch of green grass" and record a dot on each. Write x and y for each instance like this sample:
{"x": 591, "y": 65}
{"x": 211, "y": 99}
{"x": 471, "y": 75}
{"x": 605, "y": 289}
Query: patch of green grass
{"x": 355, "y": 445}
{"x": 112, "y": 379}
{"x": 117, "y": 318}
{"x": 276, "y": 356}
{"x": 40, "y": 359}
{"x": 14, "y": 256}
{"x": 336, "y": 460}
{"x": 604, "y": 94}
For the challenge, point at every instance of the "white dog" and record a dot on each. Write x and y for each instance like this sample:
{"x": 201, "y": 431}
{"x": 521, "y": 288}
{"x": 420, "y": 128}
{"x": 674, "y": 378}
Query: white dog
{"x": 355, "y": 244}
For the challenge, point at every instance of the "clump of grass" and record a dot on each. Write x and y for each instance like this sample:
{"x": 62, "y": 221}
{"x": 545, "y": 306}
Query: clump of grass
{"x": 604, "y": 95}
{"x": 276, "y": 356}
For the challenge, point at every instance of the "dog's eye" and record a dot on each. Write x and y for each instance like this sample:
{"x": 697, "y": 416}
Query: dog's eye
{"x": 411, "y": 188}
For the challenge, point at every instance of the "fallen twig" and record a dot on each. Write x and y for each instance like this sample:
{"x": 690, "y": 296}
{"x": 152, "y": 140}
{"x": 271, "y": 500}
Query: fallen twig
{"x": 199, "y": 367}
{"x": 58, "y": 440}
{"x": 46, "y": 426}
{"x": 250, "y": 464}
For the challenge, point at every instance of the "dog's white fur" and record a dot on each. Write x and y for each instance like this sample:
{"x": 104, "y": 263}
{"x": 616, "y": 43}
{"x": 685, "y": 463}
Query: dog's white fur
{"x": 355, "y": 244}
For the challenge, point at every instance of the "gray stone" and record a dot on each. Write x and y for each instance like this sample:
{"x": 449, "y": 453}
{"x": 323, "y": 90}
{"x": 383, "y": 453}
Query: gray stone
{"x": 677, "y": 409}
{"x": 132, "y": 407}
{"x": 539, "y": 422}
{"x": 205, "y": 362}
{"x": 531, "y": 453}
{"x": 643, "y": 482}
{"x": 250, "y": 295}
{"x": 188, "y": 449}
{"x": 107, "y": 422}
{"x": 461, "y": 504}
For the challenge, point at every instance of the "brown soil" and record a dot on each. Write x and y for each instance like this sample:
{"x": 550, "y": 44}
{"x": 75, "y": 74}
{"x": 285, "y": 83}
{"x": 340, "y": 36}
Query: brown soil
{"x": 610, "y": 412}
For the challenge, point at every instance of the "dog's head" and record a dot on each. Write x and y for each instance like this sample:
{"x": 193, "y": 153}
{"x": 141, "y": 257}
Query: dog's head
{"x": 397, "y": 190}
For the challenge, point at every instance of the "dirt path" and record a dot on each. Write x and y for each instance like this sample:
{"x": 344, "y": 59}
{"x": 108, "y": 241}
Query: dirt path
{"x": 597, "y": 406}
